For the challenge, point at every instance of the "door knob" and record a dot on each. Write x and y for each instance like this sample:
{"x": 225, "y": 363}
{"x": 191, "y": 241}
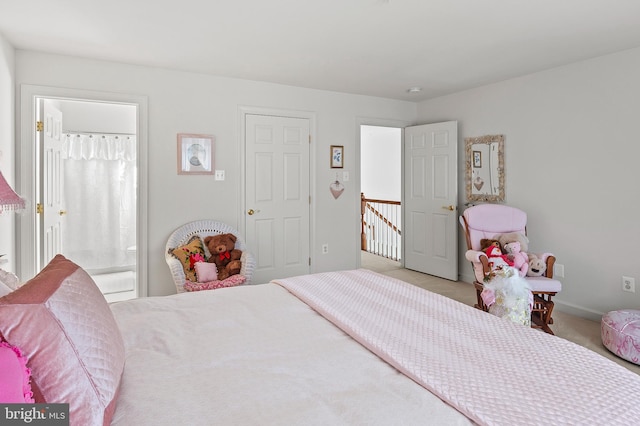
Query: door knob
{"x": 251, "y": 212}
{"x": 62, "y": 212}
{"x": 450, "y": 208}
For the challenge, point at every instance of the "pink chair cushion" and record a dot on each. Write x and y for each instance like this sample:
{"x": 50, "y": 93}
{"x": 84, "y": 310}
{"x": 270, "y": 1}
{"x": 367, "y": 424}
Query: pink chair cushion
{"x": 621, "y": 333}
{"x": 489, "y": 220}
{"x": 544, "y": 284}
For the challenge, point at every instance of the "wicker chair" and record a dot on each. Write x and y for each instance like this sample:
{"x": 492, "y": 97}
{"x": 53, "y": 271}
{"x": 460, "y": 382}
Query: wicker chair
{"x": 204, "y": 228}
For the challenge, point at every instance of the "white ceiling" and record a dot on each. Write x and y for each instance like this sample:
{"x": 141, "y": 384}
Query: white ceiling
{"x": 370, "y": 47}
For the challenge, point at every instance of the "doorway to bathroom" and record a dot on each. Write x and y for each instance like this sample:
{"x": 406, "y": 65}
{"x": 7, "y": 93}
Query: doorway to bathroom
{"x": 86, "y": 190}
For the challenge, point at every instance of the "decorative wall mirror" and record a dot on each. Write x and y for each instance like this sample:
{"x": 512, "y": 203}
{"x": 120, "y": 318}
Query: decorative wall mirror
{"x": 485, "y": 168}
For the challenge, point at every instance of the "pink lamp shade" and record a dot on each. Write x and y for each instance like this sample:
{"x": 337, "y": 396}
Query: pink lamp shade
{"x": 9, "y": 200}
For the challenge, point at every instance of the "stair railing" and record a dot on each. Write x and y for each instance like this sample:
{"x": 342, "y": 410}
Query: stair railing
{"x": 380, "y": 232}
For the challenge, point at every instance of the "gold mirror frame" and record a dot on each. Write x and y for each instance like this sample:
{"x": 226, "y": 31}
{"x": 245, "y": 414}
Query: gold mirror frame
{"x": 485, "y": 168}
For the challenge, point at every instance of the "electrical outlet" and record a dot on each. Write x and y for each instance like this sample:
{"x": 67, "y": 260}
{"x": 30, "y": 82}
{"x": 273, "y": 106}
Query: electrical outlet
{"x": 558, "y": 270}
{"x": 325, "y": 248}
{"x": 219, "y": 175}
{"x": 629, "y": 284}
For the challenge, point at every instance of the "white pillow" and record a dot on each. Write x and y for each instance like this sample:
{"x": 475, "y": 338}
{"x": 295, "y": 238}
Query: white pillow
{"x": 8, "y": 282}
{"x": 4, "y": 289}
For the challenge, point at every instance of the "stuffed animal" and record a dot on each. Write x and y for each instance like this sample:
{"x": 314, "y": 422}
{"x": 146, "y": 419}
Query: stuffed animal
{"x": 486, "y": 242}
{"x": 537, "y": 266}
{"x": 510, "y": 237}
{"x": 519, "y": 258}
{"x": 224, "y": 254}
{"x": 509, "y": 296}
{"x": 497, "y": 260}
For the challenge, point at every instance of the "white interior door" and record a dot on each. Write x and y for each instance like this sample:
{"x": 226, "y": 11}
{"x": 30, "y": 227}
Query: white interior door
{"x": 277, "y": 195}
{"x": 430, "y": 199}
{"x": 52, "y": 213}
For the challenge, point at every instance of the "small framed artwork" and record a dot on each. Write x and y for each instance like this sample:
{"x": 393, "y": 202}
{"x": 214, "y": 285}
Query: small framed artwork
{"x": 477, "y": 159}
{"x": 195, "y": 154}
{"x": 337, "y": 156}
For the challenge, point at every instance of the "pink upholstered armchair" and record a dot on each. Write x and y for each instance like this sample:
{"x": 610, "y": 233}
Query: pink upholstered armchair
{"x": 489, "y": 221}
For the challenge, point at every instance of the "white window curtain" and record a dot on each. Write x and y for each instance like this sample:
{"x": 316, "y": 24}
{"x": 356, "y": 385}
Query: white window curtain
{"x": 100, "y": 197}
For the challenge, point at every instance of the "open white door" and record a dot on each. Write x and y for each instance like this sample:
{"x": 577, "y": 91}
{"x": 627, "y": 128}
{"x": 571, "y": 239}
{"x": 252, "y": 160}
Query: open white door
{"x": 277, "y": 195}
{"x": 51, "y": 210}
{"x": 430, "y": 199}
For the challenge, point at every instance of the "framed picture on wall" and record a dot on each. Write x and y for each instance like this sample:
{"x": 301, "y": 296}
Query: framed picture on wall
{"x": 195, "y": 154}
{"x": 337, "y": 156}
{"x": 477, "y": 159}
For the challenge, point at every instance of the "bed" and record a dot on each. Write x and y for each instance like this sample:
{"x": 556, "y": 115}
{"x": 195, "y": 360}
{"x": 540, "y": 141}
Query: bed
{"x": 346, "y": 347}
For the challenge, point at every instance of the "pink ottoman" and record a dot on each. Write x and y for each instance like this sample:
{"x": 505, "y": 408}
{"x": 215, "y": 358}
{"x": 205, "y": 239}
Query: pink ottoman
{"x": 621, "y": 333}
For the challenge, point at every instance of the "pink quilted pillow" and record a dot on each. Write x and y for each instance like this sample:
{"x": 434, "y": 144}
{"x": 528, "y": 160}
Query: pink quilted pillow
{"x": 15, "y": 376}
{"x": 231, "y": 281}
{"x": 62, "y": 323}
{"x": 206, "y": 271}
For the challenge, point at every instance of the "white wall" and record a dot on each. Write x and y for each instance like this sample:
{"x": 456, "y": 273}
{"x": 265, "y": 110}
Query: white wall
{"x": 7, "y": 148}
{"x": 571, "y": 153}
{"x": 571, "y": 147}
{"x": 98, "y": 117}
{"x": 180, "y": 102}
{"x": 381, "y": 162}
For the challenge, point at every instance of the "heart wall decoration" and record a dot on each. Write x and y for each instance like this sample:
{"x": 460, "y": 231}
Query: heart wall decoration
{"x": 478, "y": 183}
{"x": 336, "y": 188}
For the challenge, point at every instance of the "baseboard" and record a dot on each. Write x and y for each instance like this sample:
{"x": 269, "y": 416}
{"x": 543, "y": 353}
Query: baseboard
{"x": 579, "y": 311}
{"x": 470, "y": 278}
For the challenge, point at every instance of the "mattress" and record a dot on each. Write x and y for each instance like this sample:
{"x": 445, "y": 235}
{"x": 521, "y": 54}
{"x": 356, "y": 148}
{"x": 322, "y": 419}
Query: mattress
{"x": 353, "y": 347}
{"x": 254, "y": 355}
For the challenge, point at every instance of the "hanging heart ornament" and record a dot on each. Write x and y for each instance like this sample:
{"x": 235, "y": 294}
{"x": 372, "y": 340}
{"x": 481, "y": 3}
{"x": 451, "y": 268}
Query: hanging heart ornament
{"x": 336, "y": 188}
{"x": 478, "y": 183}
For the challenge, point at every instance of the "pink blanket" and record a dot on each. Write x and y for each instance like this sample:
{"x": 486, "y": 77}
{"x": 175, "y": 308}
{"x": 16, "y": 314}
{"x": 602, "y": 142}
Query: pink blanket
{"x": 492, "y": 370}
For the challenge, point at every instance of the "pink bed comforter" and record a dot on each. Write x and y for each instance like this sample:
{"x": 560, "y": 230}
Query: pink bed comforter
{"x": 493, "y": 371}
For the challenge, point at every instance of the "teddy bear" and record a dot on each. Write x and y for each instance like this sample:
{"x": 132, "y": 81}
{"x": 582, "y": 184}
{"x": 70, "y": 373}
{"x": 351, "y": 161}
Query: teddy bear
{"x": 224, "y": 254}
{"x": 486, "y": 242}
{"x": 513, "y": 236}
{"x": 519, "y": 258}
{"x": 537, "y": 266}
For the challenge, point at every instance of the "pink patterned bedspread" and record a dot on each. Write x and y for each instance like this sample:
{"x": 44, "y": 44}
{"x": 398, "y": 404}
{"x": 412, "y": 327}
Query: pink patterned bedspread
{"x": 493, "y": 371}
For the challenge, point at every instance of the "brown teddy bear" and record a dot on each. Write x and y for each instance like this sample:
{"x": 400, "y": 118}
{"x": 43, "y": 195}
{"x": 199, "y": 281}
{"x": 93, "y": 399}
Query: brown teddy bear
{"x": 487, "y": 242}
{"x": 224, "y": 254}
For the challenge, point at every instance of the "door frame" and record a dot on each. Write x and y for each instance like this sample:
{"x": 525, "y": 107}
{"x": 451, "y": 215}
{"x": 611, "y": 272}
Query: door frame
{"x": 243, "y": 111}
{"x": 380, "y": 122}
{"x": 26, "y": 182}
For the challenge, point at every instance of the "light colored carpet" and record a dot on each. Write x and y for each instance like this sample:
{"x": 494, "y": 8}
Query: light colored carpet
{"x": 578, "y": 330}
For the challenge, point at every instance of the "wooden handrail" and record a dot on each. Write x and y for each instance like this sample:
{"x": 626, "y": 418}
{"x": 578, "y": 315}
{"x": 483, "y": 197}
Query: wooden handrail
{"x": 371, "y": 200}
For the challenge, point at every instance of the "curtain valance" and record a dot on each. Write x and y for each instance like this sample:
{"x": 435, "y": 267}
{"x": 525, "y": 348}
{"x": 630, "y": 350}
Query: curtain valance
{"x": 100, "y": 147}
